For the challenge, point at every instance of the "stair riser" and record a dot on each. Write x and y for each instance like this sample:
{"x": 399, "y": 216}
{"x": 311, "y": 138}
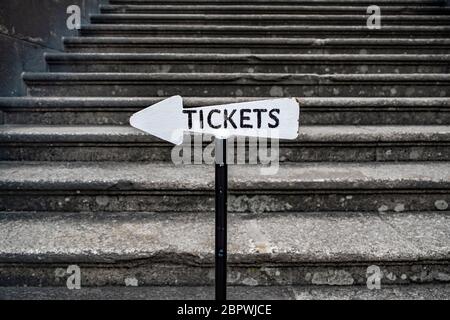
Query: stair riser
{"x": 411, "y": 10}
{"x": 246, "y": 49}
{"x": 308, "y": 117}
{"x": 143, "y": 152}
{"x": 277, "y": 2}
{"x": 239, "y": 67}
{"x": 227, "y": 89}
{"x": 167, "y": 274}
{"x": 272, "y": 201}
{"x": 335, "y": 33}
{"x": 357, "y": 21}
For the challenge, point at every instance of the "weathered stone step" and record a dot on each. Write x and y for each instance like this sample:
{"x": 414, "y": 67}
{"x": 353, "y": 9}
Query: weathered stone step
{"x": 316, "y": 143}
{"x": 314, "y": 111}
{"x": 257, "y": 19}
{"x": 261, "y": 63}
{"x": 257, "y": 45}
{"x": 177, "y": 249}
{"x": 389, "y": 31}
{"x": 162, "y": 187}
{"x": 237, "y": 84}
{"x": 273, "y": 9}
{"x": 386, "y": 292}
{"x": 283, "y": 2}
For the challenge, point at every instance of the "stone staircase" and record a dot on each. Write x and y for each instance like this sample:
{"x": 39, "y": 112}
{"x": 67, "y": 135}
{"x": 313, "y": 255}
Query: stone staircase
{"x": 366, "y": 183}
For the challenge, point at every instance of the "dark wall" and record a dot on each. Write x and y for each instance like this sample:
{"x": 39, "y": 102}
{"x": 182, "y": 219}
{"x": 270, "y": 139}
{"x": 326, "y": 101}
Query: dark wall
{"x": 28, "y": 28}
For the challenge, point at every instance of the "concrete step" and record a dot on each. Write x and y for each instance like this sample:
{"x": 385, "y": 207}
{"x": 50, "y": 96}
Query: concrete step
{"x": 177, "y": 249}
{"x": 257, "y": 45}
{"x": 261, "y": 63}
{"x": 258, "y": 19}
{"x": 316, "y": 143}
{"x": 390, "y": 292}
{"x": 163, "y": 187}
{"x": 236, "y": 85}
{"x": 353, "y": 8}
{"x": 282, "y": 2}
{"x": 314, "y": 111}
{"x": 208, "y": 30}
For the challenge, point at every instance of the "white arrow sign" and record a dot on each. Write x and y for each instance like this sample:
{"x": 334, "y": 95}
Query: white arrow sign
{"x": 168, "y": 120}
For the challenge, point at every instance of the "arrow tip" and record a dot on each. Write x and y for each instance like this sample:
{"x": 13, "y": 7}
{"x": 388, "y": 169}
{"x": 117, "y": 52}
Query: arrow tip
{"x": 163, "y": 120}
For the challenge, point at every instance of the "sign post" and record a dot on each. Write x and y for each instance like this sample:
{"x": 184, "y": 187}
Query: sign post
{"x": 169, "y": 120}
{"x": 221, "y": 219}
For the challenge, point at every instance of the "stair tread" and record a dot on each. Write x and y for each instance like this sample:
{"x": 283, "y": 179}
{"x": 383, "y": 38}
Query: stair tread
{"x": 277, "y": 238}
{"x": 125, "y": 176}
{"x": 236, "y": 84}
{"x": 311, "y": 134}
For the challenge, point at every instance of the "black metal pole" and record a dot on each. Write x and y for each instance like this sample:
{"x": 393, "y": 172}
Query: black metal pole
{"x": 221, "y": 219}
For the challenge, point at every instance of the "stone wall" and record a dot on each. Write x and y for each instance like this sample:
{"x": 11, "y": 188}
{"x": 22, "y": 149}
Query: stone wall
{"x": 28, "y": 28}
